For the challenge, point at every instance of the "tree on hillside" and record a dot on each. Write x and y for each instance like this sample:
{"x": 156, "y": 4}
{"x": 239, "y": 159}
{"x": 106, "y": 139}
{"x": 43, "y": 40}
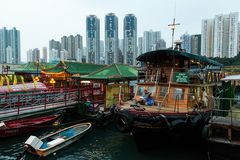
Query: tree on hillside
{"x": 235, "y": 61}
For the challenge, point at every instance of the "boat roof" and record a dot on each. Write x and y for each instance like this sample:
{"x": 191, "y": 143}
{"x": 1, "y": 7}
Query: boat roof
{"x": 155, "y": 55}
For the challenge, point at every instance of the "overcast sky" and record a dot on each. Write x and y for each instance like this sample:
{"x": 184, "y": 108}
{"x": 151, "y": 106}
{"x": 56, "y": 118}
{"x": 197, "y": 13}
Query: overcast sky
{"x": 42, "y": 20}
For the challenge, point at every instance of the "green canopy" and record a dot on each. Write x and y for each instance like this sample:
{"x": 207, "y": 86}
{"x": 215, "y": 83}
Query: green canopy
{"x": 32, "y": 67}
{"x": 114, "y": 72}
{"x": 155, "y": 55}
{"x": 75, "y": 67}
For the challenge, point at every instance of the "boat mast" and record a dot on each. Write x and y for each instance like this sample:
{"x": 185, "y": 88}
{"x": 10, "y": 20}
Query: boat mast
{"x": 174, "y": 24}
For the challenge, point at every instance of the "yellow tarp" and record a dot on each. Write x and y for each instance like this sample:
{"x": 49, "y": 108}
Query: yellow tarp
{"x": 112, "y": 93}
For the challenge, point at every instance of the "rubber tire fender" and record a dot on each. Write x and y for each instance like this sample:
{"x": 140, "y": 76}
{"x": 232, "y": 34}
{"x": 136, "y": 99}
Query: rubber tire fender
{"x": 198, "y": 124}
{"x": 205, "y": 132}
{"x": 178, "y": 128}
{"x": 122, "y": 123}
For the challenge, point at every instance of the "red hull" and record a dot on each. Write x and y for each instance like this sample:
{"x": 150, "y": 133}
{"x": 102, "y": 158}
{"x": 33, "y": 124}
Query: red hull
{"x": 21, "y": 126}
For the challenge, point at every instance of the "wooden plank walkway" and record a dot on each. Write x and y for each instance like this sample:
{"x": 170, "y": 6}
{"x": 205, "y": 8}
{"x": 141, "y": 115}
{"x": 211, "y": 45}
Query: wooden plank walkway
{"x": 27, "y": 111}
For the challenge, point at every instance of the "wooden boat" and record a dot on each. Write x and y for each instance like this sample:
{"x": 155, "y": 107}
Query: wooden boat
{"x": 57, "y": 140}
{"x": 176, "y": 81}
{"x": 25, "y": 125}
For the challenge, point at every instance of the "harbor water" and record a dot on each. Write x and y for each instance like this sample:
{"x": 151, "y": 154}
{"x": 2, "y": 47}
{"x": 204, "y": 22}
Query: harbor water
{"x": 103, "y": 143}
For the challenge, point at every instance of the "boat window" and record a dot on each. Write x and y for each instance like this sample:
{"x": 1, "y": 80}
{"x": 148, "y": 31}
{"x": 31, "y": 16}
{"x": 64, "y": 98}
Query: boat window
{"x": 96, "y": 85}
{"x": 178, "y": 93}
{"x": 152, "y": 89}
{"x": 163, "y": 91}
{"x": 140, "y": 91}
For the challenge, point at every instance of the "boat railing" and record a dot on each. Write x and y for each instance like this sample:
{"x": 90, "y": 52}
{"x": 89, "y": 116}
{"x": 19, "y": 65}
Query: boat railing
{"x": 18, "y": 102}
{"x": 226, "y": 108}
{"x": 157, "y": 75}
{"x": 180, "y": 102}
{"x": 224, "y": 123}
{"x": 176, "y": 107}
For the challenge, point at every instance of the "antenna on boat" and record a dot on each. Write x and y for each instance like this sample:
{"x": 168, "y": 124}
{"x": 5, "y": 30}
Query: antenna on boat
{"x": 174, "y": 24}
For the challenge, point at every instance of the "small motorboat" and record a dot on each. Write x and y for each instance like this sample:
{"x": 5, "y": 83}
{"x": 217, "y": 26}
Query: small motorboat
{"x": 56, "y": 141}
{"x": 25, "y": 125}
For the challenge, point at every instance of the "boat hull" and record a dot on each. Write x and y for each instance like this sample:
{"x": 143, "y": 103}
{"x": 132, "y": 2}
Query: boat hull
{"x": 54, "y": 148}
{"x": 141, "y": 122}
{"x": 25, "y": 126}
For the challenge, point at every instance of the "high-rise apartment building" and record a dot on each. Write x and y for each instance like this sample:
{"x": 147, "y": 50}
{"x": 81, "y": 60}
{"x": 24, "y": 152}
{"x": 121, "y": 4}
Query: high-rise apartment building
{"x": 29, "y": 55}
{"x": 93, "y": 39}
{"x": 111, "y": 38}
{"x": 186, "y": 42}
{"x": 150, "y": 39}
{"x": 64, "y": 55}
{"x": 238, "y": 37}
{"x": 102, "y": 52}
{"x": 225, "y": 35}
{"x": 36, "y": 55}
{"x": 44, "y": 54}
{"x": 10, "y": 46}
{"x": 9, "y": 55}
{"x": 78, "y": 47}
{"x": 207, "y": 40}
{"x": 120, "y": 44}
{"x": 220, "y": 36}
{"x": 71, "y": 47}
{"x": 140, "y": 45}
{"x": 54, "y": 50}
{"x": 191, "y": 43}
{"x": 130, "y": 39}
{"x": 196, "y": 44}
{"x": 64, "y": 43}
{"x": 33, "y": 55}
{"x": 161, "y": 44}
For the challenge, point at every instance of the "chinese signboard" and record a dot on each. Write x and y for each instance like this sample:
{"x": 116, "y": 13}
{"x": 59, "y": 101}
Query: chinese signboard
{"x": 181, "y": 77}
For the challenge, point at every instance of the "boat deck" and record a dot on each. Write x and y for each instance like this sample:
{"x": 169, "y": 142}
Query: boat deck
{"x": 231, "y": 120}
{"x": 155, "y": 108}
{"x": 226, "y": 129}
{"x": 225, "y": 121}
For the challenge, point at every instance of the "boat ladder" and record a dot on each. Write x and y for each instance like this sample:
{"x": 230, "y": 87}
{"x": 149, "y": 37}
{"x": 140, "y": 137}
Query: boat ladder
{"x": 161, "y": 103}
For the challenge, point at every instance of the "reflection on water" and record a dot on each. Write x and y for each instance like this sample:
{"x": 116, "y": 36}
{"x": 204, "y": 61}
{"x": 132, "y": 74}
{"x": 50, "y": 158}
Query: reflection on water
{"x": 101, "y": 144}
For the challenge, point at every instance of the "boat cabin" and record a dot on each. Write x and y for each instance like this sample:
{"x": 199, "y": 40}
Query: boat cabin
{"x": 175, "y": 81}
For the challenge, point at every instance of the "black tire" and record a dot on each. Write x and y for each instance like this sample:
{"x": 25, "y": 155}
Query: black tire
{"x": 198, "y": 124}
{"x": 178, "y": 128}
{"x": 122, "y": 123}
{"x": 205, "y": 132}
